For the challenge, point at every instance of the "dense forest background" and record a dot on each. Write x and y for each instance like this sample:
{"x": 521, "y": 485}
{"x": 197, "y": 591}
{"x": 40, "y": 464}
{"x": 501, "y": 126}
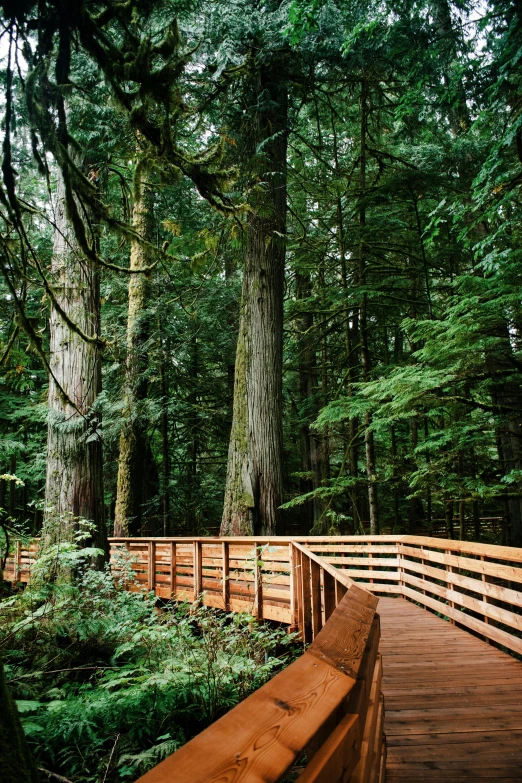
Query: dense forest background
{"x": 261, "y": 266}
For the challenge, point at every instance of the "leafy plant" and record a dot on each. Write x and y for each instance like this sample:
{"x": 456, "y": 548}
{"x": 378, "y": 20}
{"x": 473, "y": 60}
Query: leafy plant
{"x": 108, "y": 683}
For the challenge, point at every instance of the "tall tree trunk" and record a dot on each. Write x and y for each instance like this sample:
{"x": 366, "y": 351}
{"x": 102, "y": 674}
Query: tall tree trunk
{"x": 16, "y": 761}
{"x": 448, "y": 518}
{"x": 395, "y": 479}
{"x": 3, "y": 492}
{"x": 371, "y": 473}
{"x": 131, "y": 467}
{"x": 350, "y": 337}
{"x": 307, "y": 389}
{"x": 254, "y": 485}
{"x": 193, "y": 438}
{"x": 165, "y": 454}
{"x": 74, "y": 476}
{"x": 508, "y": 395}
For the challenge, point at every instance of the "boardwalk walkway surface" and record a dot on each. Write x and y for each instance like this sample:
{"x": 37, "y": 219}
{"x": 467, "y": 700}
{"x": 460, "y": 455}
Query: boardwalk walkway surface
{"x": 453, "y": 710}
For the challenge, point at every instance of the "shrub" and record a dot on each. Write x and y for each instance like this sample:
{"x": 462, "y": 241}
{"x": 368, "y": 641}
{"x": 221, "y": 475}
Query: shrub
{"x": 108, "y": 683}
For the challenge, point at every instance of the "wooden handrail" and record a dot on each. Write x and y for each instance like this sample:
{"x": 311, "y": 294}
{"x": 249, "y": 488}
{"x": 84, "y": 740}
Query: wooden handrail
{"x": 478, "y": 586}
{"x": 309, "y": 583}
{"x": 327, "y": 704}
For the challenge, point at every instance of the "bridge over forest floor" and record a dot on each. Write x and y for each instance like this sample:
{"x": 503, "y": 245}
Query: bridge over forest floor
{"x": 453, "y": 710}
{"x": 384, "y": 691}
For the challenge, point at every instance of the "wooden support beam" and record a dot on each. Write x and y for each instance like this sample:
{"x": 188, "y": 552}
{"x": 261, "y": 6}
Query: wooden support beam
{"x": 306, "y": 598}
{"x": 315, "y": 584}
{"x": 329, "y": 594}
{"x": 151, "y": 565}
{"x": 198, "y": 576}
{"x": 18, "y": 560}
{"x": 225, "y": 570}
{"x": 173, "y": 568}
{"x": 258, "y": 588}
{"x": 340, "y": 591}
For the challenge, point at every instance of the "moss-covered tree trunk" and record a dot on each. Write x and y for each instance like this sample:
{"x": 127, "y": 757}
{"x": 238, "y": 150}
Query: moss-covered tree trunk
{"x": 16, "y": 762}
{"x": 133, "y": 442}
{"x": 74, "y": 476}
{"x": 254, "y": 484}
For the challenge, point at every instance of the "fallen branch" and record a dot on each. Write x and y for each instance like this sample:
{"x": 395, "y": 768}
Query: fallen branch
{"x": 54, "y": 775}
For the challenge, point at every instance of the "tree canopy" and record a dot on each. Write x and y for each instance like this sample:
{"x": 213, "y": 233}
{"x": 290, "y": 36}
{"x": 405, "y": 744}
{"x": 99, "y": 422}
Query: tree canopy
{"x": 261, "y": 266}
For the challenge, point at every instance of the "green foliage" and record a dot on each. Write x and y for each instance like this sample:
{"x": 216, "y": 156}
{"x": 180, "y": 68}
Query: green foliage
{"x": 108, "y": 683}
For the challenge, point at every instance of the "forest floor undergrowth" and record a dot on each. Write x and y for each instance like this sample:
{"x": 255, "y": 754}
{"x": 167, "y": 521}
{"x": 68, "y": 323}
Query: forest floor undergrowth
{"x": 108, "y": 685}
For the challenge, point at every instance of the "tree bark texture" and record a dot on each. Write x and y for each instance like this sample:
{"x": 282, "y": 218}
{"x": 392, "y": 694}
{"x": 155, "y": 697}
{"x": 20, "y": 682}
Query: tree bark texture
{"x": 254, "y": 484}
{"x": 133, "y": 444}
{"x": 74, "y": 475}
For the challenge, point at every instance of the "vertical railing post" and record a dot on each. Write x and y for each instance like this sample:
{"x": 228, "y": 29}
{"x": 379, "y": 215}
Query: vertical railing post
{"x": 173, "y": 569}
{"x": 340, "y": 591}
{"x": 197, "y": 570}
{"x": 449, "y": 569}
{"x": 315, "y": 581}
{"x": 295, "y": 588}
{"x": 258, "y": 596}
{"x": 17, "y": 560}
{"x": 486, "y": 599}
{"x": 226, "y": 575}
{"x": 329, "y": 594}
{"x": 151, "y": 565}
{"x": 306, "y": 598}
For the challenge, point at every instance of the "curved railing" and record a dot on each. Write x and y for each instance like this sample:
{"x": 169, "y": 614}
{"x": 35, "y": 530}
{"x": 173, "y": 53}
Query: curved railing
{"x": 326, "y": 587}
{"x": 478, "y": 586}
{"x": 322, "y": 715}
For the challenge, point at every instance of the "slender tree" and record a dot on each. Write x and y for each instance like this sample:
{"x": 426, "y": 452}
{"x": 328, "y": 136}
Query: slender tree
{"x": 133, "y": 442}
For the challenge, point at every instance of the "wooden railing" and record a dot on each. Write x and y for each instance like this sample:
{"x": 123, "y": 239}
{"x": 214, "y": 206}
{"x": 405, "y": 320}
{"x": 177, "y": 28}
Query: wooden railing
{"x": 478, "y": 586}
{"x": 324, "y": 712}
{"x": 323, "y": 715}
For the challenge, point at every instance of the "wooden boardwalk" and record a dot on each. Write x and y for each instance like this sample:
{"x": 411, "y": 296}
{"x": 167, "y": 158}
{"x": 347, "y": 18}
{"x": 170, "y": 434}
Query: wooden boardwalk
{"x": 453, "y": 706}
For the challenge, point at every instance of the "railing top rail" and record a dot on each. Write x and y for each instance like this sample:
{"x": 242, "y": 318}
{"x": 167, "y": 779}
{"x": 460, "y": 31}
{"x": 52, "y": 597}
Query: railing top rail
{"x": 332, "y": 570}
{"x": 466, "y": 547}
{"x": 260, "y": 539}
{"x": 260, "y": 738}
